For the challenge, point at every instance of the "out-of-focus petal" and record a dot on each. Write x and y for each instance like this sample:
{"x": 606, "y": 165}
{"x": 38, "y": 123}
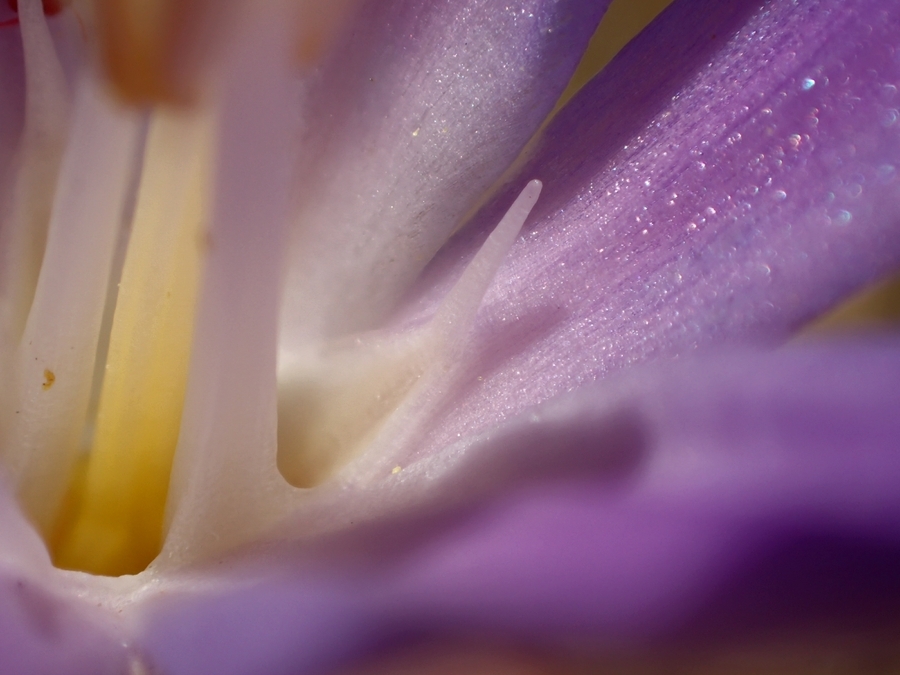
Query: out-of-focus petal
{"x": 776, "y": 472}
{"x": 420, "y": 110}
{"x": 758, "y": 491}
{"x": 150, "y": 49}
{"x": 733, "y": 172}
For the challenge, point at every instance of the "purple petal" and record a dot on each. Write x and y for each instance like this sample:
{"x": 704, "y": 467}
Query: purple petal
{"x": 419, "y": 112}
{"x": 761, "y": 496}
{"x": 732, "y": 173}
{"x": 41, "y": 632}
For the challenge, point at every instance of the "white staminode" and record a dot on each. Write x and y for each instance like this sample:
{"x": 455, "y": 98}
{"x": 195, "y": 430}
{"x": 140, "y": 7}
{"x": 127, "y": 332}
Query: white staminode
{"x": 332, "y": 402}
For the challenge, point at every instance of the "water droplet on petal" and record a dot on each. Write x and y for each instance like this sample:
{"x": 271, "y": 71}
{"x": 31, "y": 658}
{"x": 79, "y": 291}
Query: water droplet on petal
{"x": 843, "y": 217}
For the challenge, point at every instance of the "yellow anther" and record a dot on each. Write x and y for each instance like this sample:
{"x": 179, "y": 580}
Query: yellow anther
{"x": 154, "y": 50}
{"x": 145, "y": 44}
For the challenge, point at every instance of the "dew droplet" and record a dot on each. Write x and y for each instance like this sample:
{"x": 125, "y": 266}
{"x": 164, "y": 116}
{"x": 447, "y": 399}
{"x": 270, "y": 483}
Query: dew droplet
{"x": 843, "y": 217}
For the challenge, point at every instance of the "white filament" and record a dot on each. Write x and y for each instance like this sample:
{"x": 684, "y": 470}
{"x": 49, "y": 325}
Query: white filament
{"x": 224, "y": 471}
{"x": 52, "y": 371}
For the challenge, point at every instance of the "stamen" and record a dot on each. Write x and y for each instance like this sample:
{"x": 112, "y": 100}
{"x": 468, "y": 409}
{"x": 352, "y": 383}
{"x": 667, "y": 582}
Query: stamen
{"x": 224, "y": 479}
{"x": 119, "y": 527}
{"x": 42, "y": 426}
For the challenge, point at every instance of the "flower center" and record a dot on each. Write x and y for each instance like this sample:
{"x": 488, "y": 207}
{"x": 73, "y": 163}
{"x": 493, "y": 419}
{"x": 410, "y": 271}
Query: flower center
{"x": 91, "y": 450}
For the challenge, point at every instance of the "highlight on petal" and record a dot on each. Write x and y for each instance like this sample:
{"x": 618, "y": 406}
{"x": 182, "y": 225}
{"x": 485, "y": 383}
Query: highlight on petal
{"x": 421, "y": 107}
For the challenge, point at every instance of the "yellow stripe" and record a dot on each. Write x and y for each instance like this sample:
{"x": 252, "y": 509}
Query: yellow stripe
{"x": 115, "y": 521}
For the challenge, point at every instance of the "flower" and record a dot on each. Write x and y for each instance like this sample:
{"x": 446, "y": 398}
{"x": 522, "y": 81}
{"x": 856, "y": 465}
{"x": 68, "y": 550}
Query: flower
{"x": 729, "y": 176}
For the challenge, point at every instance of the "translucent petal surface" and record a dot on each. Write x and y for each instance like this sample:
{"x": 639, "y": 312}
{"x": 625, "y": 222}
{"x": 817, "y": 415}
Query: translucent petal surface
{"x": 731, "y": 173}
{"x": 422, "y": 108}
